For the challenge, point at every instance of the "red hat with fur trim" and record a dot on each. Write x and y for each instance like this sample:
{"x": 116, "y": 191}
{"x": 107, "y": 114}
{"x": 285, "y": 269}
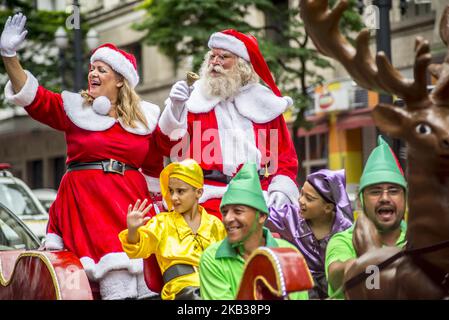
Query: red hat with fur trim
{"x": 246, "y": 47}
{"x": 121, "y": 61}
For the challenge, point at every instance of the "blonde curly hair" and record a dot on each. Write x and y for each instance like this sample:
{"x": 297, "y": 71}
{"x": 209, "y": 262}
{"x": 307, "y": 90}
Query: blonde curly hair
{"x": 128, "y": 104}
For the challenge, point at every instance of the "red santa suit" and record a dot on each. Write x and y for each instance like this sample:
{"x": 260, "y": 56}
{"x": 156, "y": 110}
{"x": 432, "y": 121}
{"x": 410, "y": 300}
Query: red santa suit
{"x": 91, "y": 206}
{"x": 222, "y": 135}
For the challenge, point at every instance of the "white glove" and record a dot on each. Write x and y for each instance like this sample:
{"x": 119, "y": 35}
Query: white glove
{"x": 277, "y": 199}
{"x": 179, "y": 94}
{"x": 13, "y": 35}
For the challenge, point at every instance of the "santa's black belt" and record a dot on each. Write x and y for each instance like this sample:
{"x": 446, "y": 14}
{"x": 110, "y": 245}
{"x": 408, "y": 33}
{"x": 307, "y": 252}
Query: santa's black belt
{"x": 218, "y": 176}
{"x": 177, "y": 270}
{"x": 110, "y": 165}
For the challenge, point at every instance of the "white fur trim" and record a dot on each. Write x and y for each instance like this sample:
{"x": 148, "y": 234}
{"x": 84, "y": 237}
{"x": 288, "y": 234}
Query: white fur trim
{"x": 101, "y": 105}
{"x": 142, "y": 288}
{"x": 212, "y": 192}
{"x": 86, "y": 118}
{"x": 285, "y": 185}
{"x": 255, "y": 102}
{"x": 118, "y": 285}
{"x": 237, "y": 140}
{"x": 109, "y": 262}
{"x": 118, "y": 62}
{"x": 174, "y": 128}
{"x": 216, "y": 192}
{"x": 152, "y": 183}
{"x": 289, "y": 101}
{"x": 26, "y": 95}
{"x": 225, "y": 41}
{"x": 151, "y": 112}
{"x": 53, "y": 242}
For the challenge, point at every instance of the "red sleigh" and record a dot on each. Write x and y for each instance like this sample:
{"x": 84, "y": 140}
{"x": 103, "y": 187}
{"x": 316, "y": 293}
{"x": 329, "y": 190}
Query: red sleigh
{"x": 273, "y": 273}
{"x": 270, "y": 274}
{"x": 42, "y": 275}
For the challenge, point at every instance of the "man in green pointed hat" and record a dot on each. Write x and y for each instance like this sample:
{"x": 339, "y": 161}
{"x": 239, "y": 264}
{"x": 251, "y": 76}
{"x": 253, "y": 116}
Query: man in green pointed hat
{"x": 382, "y": 194}
{"x": 244, "y": 212}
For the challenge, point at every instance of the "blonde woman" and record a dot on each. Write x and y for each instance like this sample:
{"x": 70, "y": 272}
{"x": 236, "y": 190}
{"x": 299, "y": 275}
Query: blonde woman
{"x": 110, "y": 135}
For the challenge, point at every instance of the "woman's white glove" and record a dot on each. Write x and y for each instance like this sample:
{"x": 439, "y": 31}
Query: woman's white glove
{"x": 277, "y": 199}
{"x": 13, "y": 35}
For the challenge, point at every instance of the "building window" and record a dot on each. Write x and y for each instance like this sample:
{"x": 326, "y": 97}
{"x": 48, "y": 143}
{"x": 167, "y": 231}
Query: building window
{"x": 312, "y": 155}
{"x": 35, "y": 173}
{"x": 57, "y": 165}
{"x": 275, "y": 23}
{"x": 417, "y": 9}
{"x": 136, "y": 50}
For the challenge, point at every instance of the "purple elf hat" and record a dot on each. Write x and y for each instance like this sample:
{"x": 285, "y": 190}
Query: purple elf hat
{"x": 331, "y": 186}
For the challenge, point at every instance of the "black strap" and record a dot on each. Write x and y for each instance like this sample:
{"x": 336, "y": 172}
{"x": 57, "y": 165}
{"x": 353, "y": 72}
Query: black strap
{"x": 177, "y": 270}
{"x": 188, "y": 293}
{"x": 219, "y": 176}
{"x": 110, "y": 165}
{"x": 414, "y": 253}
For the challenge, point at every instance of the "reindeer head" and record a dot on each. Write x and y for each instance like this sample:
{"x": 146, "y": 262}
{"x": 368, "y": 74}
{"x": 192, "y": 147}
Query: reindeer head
{"x": 424, "y": 122}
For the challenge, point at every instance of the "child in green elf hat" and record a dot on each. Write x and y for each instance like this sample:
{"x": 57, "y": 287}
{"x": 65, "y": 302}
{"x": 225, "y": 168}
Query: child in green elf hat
{"x": 244, "y": 214}
{"x": 382, "y": 193}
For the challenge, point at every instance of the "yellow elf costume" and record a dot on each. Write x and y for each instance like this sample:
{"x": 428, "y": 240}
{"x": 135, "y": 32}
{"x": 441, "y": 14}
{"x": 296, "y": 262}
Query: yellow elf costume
{"x": 169, "y": 237}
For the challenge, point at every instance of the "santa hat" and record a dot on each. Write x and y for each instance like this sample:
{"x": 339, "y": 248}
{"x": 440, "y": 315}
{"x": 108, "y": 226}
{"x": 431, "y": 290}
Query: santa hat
{"x": 119, "y": 60}
{"x": 246, "y": 47}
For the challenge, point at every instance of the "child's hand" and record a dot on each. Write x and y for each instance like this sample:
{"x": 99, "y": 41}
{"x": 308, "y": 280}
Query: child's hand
{"x": 136, "y": 216}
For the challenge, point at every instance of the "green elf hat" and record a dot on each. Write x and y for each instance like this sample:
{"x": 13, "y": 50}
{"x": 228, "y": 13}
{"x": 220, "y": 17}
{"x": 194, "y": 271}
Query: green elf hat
{"x": 245, "y": 189}
{"x": 382, "y": 167}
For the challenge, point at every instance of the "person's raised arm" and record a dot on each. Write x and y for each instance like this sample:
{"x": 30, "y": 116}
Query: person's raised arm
{"x": 11, "y": 39}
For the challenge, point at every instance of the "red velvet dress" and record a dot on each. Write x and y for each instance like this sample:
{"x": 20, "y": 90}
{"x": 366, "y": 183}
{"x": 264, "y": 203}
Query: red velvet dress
{"x": 91, "y": 206}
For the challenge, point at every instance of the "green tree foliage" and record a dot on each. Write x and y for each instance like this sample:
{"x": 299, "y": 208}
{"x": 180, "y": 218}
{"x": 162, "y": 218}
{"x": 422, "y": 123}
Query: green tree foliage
{"x": 39, "y": 54}
{"x": 181, "y": 28}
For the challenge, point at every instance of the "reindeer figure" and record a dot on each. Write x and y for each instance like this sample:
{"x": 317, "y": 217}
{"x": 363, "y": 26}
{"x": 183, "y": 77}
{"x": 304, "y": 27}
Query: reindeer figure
{"x": 420, "y": 270}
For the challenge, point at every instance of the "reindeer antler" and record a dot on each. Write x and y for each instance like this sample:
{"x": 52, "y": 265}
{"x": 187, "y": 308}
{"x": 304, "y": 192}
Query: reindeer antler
{"x": 440, "y": 94}
{"x": 377, "y": 74}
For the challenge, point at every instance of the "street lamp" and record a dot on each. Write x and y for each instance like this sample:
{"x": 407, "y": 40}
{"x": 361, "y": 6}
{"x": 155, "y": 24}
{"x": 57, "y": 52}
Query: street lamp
{"x": 62, "y": 43}
{"x": 383, "y": 43}
{"x": 77, "y": 43}
{"x": 92, "y": 39}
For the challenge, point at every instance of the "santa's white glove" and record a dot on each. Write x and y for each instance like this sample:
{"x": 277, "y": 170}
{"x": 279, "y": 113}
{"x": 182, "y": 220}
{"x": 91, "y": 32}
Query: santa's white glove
{"x": 277, "y": 199}
{"x": 179, "y": 94}
{"x": 13, "y": 35}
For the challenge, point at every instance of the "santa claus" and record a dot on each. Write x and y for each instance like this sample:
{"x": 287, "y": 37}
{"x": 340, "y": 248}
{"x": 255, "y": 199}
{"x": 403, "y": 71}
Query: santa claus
{"x": 227, "y": 119}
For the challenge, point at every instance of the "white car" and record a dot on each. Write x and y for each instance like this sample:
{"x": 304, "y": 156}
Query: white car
{"x": 46, "y": 197}
{"x": 17, "y": 197}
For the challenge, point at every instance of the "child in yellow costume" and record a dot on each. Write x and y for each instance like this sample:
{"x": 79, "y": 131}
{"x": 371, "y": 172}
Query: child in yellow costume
{"x": 178, "y": 237}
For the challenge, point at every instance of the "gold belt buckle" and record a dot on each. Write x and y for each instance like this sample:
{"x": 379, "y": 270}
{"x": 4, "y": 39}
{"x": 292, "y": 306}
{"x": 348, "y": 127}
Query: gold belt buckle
{"x": 111, "y": 169}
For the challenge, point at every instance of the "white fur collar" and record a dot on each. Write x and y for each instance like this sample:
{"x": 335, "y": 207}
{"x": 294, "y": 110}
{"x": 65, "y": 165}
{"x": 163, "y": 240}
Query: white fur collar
{"x": 86, "y": 118}
{"x": 255, "y": 102}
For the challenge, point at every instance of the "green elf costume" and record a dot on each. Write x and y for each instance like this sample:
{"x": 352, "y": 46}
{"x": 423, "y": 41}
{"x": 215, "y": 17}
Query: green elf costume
{"x": 382, "y": 166}
{"x": 222, "y": 265}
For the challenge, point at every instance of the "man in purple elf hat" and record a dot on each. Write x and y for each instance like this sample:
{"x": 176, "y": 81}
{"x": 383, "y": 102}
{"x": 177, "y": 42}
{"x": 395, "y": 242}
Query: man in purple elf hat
{"x": 324, "y": 209}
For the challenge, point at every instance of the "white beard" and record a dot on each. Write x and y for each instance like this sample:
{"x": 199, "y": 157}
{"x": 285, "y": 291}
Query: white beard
{"x": 226, "y": 85}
